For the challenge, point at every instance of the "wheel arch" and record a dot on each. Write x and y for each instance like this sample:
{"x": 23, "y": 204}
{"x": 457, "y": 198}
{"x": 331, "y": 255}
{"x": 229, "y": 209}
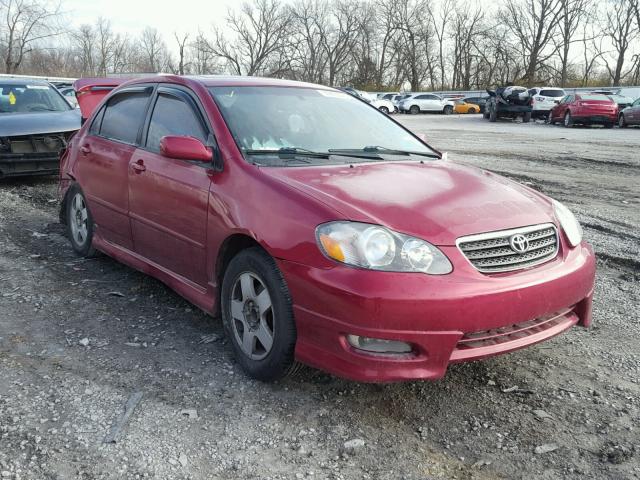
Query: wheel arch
{"x": 230, "y": 247}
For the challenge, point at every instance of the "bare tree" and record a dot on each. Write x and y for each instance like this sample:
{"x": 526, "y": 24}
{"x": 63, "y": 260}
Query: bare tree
{"x": 260, "y": 29}
{"x": 440, "y": 19}
{"x": 182, "y": 43}
{"x": 309, "y": 21}
{"x": 467, "y": 25}
{"x": 416, "y": 39}
{"x": 153, "y": 49}
{"x": 621, "y": 29}
{"x": 338, "y": 37}
{"x": 27, "y": 22}
{"x": 533, "y": 23}
{"x": 573, "y": 16}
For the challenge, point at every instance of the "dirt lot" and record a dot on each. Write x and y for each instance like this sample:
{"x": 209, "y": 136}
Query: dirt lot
{"x": 78, "y": 338}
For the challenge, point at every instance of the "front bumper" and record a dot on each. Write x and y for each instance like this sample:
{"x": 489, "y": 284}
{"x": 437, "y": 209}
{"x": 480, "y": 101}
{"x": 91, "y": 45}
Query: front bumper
{"x": 463, "y": 316}
{"x": 21, "y": 164}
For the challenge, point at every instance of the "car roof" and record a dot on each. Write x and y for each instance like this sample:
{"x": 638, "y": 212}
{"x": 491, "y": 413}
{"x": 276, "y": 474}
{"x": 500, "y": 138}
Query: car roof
{"x": 23, "y": 81}
{"x": 223, "y": 81}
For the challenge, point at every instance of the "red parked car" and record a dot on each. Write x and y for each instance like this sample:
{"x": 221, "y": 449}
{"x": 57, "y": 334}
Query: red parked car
{"x": 318, "y": 228}
{"x": 585, "y": 109}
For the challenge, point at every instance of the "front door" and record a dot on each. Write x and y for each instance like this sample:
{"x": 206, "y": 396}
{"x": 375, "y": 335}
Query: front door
{"x": 104, "y": 168}
{"x": 168, "y": 198}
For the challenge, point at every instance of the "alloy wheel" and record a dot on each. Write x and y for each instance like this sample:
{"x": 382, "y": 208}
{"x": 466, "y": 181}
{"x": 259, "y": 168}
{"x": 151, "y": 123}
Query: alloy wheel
{"x": 78, "y": 220}
{"x": 252, "y": 319}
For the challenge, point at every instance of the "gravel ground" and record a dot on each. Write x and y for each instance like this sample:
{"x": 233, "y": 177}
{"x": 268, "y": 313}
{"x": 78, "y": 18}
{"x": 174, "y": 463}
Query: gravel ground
{"x": 79, "y": 337}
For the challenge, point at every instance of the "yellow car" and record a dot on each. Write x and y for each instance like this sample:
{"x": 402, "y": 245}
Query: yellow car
{"x": 463, "y": 107}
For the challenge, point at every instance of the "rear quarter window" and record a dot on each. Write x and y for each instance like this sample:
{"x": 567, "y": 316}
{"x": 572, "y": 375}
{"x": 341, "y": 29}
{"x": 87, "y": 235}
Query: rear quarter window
{"x": 552, "y": 93}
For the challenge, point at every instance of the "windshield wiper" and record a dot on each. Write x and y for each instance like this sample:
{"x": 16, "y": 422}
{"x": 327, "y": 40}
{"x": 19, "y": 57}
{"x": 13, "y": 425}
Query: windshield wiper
{"x": 379, "y": 149}
{"x": 295, "y": 151}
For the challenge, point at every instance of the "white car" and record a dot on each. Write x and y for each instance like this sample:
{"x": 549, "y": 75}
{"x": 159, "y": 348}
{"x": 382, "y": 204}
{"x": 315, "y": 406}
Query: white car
{"x": 426, "y": 102}
{"x": 384, "y": 105}
{"x": 70, "y": 96}
{"x": 543, "y": 99}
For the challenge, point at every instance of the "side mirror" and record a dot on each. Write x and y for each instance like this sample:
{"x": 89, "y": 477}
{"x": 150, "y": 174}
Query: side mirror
{"x": 185, "y": 148}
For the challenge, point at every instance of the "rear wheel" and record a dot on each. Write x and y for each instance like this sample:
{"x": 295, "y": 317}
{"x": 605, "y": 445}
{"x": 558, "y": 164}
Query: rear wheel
{"x": 448, "y": 110}
{"x": 80, "y": 224}
{"x": 568, "y": 120}
{"x": 622, "y": 123}
{"x": 608, "y": 125}
{"x": 258, "y": 317}
{"x": 414, "y": 110}
{"x": 384, "y": 110}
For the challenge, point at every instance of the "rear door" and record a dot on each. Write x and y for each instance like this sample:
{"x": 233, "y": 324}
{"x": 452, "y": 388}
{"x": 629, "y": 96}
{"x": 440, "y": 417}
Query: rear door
{"x": 103, "y": 169}
{"x": 168, "y": 198}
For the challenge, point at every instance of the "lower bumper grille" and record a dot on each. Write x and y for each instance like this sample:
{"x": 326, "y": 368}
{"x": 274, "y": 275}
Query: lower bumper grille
{"x": 485, "y": 343}
{"x": 497, "y": 252}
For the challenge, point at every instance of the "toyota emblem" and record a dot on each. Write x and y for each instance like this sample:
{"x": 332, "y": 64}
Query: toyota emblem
{"x": 519, "y": 243}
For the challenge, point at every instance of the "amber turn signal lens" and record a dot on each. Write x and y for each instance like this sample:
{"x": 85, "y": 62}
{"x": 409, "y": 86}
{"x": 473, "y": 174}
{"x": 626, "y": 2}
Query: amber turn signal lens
{"x": 332, "y": 248}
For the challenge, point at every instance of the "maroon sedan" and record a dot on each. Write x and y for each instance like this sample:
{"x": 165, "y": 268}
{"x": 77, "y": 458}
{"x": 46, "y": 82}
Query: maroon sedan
{"x": 318, "y": 228}
{"x": 585, "y": 109}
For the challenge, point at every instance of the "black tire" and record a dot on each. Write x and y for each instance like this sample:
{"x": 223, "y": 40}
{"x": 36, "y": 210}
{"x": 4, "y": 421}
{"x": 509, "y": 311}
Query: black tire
{"x": 80, "y": 226}
{"x": 622, "y": 122}
{"x": 549, "y": 119}
{"x": 609, "y": 125}
{"x": 493, "y": 115}
{"x": 568, "y": 120}
{"x": 384, "y": 110}
{"x": 526, "y": 117}
{"x": 279, "y": 360}
{"x": 447, "y": 110}
{"x": 472, "y": 111}
{"x": 414, "y": 109}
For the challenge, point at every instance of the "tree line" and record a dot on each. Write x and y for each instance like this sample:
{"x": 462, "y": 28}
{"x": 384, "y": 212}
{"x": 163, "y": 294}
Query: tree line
{"x": 374, "y": 45}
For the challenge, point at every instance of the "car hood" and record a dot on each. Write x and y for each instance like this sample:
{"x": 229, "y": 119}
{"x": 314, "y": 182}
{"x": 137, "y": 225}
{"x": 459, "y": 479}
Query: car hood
{"x": 438, "y": 201}
{"x": 13, "y": 124}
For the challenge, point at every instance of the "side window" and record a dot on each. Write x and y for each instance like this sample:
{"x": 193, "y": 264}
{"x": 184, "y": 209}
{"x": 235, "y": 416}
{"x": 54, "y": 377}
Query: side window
{"x": 97, "y": 121}
{"x": 124, "y": 115}
{"x": 423, "y": 97}
{"x": 173, "y": 116}
{"x": 636, "y": 103}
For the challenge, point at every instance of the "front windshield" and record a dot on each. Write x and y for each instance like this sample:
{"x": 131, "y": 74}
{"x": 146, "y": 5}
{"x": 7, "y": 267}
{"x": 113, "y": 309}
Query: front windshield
{"x": 316, "y": 120}
{"x": 27, "y": 98}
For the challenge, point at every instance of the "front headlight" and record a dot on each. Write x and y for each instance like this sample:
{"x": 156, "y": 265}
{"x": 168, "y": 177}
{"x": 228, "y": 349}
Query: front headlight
{"x": 378, "y": 248}
{"x": 568, "y": 222}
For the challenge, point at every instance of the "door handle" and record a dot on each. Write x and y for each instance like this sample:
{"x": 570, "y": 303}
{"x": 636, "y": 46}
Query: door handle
{"x": 85, "y": 149}
{"x": 138, "y": 167}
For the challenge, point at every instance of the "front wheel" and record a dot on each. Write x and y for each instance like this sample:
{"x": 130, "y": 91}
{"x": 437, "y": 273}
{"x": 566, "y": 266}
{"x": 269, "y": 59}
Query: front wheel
{"x": 414, "y": 110}
{"x": 257, "y": 314}
{"x": 80, "y": 224}
{"x": 549, "y": 119}
{"x": 608, "y": 125}
{"x": 384, "y": 110}
{"x": 472, "y": 111}
{"x": 568, "y": 120}
{"x": 448, "y": 110}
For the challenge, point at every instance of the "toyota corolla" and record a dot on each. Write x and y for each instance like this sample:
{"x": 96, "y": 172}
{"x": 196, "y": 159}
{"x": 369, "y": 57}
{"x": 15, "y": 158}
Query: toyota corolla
{"x": 320, "y": 230}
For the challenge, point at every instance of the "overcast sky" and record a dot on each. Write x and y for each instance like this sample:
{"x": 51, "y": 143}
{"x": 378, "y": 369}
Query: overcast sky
{"x": 132, "y": 16}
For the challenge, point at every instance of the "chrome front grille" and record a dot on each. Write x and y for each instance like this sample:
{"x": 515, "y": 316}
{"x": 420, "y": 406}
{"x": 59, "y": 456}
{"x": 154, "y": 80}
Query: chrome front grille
{"x": 492, "y": 252}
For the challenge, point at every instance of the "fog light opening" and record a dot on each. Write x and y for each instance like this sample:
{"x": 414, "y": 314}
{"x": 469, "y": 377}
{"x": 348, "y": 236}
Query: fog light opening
{"x": 379, "y": 345}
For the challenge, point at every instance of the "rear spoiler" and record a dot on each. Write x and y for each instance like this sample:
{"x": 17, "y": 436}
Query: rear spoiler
{"x": 91, "y": 91}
